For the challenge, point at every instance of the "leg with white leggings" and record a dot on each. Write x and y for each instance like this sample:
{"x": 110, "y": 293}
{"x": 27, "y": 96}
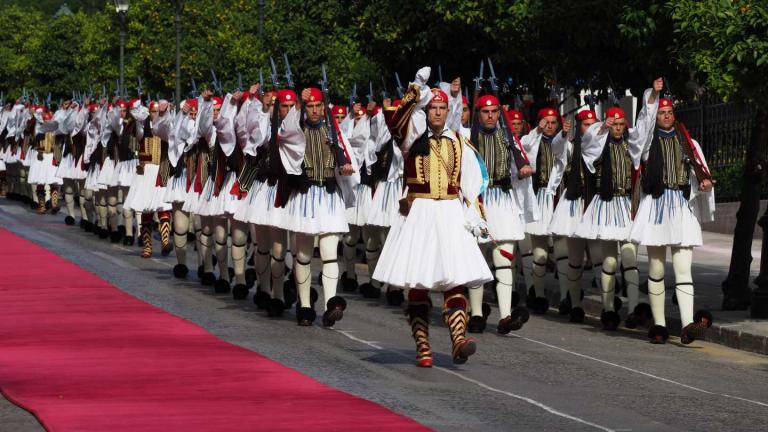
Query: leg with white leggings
{"x": 572, "y": 279}
{"x": 610, "y": 318}
{"x": 303, "y": 248}
{"x": 69, "y": 200}
{"x": 560, "y": 248}
{"x": 540, "y": 250}
{"x": 221, "y": 249}
{"x": 239, "y": 233}
{"x": 350, "y": 257}
{"x": 205, "y": 249}
{"x": 372, "y": 241}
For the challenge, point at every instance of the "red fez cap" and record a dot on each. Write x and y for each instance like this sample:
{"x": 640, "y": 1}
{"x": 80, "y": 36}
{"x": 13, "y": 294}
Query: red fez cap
{"x": 615, "y": 112}
{"x": 246, "y": 95}
{"x": 487, "y": 100}
{"x": 396, "y": 102}
{"x": 340, "y": 110}
{"x": 514, "y": 115}
{"x": 217, "y": 100}
{"x": 546, "y": 112}
{"x": 286, "y": 95}
{"x": 122, "y": 104}
{"x": 93, "y": 107}
{"x": 664, "y": 102}
{"x": 47, "y": 116}
{"x": 192, "y": 102}
{"x": 438, "y": 96}
{"x": 464, "y": 100}
{"x": 153, "y": 104}
{"x": 134, "y": 103}
{"x": 586, "y": 115}
{"x": 315, "y": 95}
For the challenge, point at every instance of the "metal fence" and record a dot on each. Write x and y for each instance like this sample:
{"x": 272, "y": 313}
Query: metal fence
{"x": 723, "y": 130}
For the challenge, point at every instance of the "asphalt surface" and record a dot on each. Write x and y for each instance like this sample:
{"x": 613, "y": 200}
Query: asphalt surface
{"x": 551, "y": 375}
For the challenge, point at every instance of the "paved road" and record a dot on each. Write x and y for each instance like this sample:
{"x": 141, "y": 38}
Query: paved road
{"x": 552, "y": 375}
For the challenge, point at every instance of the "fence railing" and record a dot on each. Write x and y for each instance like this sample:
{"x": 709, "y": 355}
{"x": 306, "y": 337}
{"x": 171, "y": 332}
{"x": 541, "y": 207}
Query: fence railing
{"x": 723, "y": 130}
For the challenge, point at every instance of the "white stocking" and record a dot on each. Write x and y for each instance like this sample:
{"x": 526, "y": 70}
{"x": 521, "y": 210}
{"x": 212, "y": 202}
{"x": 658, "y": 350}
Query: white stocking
{"x": 526, "y": 261}
{"x": 540, "y": 249}
{"x": 657, "y": 255}
{"x": 329, "y": 254}
{"x": 303, "y": 248}
{"x": 206, "y": 243}
{"x": 278, "y": 239}
{"x": 350, "y": 250}
{"x": 372, "y": 238}
{"x": 561, "y": 259}
{"x": 476, "y": 301}
{"x": 221, "y": 237}
{"x": 239, "y": 249}
{"x": 180, "y": 229}
{"x": 682, "y": 258}
{"x": 631, "y": 274}
{"x": 261, "y": 258}
{"x": 608, "y": 278}
{"x": 576, "y": 247}
{"x": 505, "y": 279}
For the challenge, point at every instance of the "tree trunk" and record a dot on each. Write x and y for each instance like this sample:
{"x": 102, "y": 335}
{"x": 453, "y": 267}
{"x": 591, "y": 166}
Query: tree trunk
{"x": 736, "y": 288}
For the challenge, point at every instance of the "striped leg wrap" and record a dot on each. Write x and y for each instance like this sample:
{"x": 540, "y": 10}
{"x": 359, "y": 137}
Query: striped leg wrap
{"x": 146, "y": 240}
{"x": 418, "y": 318}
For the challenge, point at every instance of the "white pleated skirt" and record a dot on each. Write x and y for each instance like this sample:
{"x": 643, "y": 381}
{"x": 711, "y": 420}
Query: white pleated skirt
{"x": 504, "y": 215}
{"x": 225, "y": 204}
{"x": 92, "y": 178}
{"x": 666, "y": 221}
{"x": 124, "y": 173}
{"x": 431, "y": 249}
{"x": 144, "y": 196}
{"x": 107, "y": 173}
{"x": 258, "y": 207}
{"x": 192, "y": 198}
{"x": 176, "y": 188}
{"x": 358, "y": 215}
{"x": 29, "y": 157}
{"x": 43, "y": 172}
{"x": 567, "y": 217}
{"x": 9, "y": 157}
{"x": 315, "y": 212}
{"x": 385, "y": 205}
{"x": 607, "y": 220}
{"x": 546, "y": 206}
{"x": 69, "y": 168}
{"x": 2, "y": 165}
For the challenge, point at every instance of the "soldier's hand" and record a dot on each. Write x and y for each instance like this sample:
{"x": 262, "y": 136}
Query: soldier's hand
{"x": 186, "y": 109}
{"x": 658, "y": 85}
{"x": 705, "y": 185}
{"x": 254, "y": 90}
{"x": 525, "y": 172}
{"x": 162, "y": 107}
{"x": 386, "y": 103}
{"x": 236, "y": 96}
{"x": 567, "y": 125}
{"x": 347, "y": 170}
{"x": 455, "y": 87}
{"x": 206, "y": 94}
{"x": 306, "y": 94}
{"x": 542, "y": 124}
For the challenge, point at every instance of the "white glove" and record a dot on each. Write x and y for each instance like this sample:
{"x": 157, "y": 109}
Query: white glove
{"x": 422, "y": 76}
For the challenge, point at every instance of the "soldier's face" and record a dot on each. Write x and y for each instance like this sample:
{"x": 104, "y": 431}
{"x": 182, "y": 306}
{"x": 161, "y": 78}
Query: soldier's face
{"x": 285, "y": 108}
{"x": 489, "y": 115}
{"x": 618, "y": 127}
{"x": 586, "y": 123}
{"x": 123, "y": 111}
{"x": 314, "y": 111}
{"x": 436, "y": 115}
{"x": 192, "y": 113}
{"x": 665, "y": 118}
{"x": 216, "y": 112}
{"x": 465, "y": 114}
{"x": 339, "y": 118}
{"x": 550, "y": 125}
{"x": 517, "y": 126}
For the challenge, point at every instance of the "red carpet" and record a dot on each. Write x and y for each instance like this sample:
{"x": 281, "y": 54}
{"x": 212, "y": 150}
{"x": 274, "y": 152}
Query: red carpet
{"x": 82, "y": 355}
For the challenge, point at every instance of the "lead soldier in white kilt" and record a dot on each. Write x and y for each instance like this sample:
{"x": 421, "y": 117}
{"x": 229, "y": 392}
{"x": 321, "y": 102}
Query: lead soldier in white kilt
{"x": 678, "y": 197}
{"x": 71, "y": 167}
{"x": 430, "y": 247}
{"x": 42, "y": 171}
{"x": 319, "y": 186}
{"x": 607, "y": 147}
{"x": 147, "y": 193}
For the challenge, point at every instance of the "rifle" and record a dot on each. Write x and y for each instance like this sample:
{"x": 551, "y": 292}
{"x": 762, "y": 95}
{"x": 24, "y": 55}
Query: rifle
{"x": 288, "y": 74}
{"x": 139, "y": 89}
{"x": 353, "y": 95}
{"x": 478, "y": 86}
{"x": 275, "y": 82}
{"x": 370, "y": 92}
{"x": 216, "y": 84}
{"x": 611, "y": 95}
{"x": 439, "y": 74}
{"x": 400, "y": 89}
{"x": 330, "y": 121}
{"x": 520, "y": 158}
{"x": 261, "y": 84}
{"x": 194, "y": 88}
{"x": 383, "y": 89}
{"x": 117, "y": 88}
{"x": 239, "y": 81}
